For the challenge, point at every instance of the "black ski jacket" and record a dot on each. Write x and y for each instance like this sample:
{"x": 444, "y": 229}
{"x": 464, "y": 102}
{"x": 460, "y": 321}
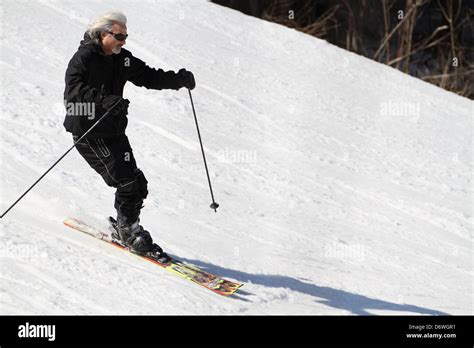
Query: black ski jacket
{"x": 90, "y": 75}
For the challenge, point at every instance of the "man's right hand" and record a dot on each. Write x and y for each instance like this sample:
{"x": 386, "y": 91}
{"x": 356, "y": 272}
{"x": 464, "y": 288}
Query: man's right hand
{"x": 110, "y": 100}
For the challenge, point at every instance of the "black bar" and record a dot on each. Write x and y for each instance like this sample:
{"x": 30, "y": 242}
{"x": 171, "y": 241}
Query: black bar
{"x": 242, "y": 330}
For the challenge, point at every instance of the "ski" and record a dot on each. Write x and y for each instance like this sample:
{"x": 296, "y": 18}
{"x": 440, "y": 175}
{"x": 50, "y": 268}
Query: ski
{"x": 187, "y": 271}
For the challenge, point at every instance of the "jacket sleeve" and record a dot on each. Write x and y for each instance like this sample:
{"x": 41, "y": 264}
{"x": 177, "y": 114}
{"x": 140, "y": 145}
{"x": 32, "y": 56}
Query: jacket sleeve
{"x": 142, "y": 75}
{"x": 77, "y": 89}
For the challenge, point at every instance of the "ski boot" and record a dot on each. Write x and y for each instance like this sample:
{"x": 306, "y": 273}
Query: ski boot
{"x": 137, "y": 239}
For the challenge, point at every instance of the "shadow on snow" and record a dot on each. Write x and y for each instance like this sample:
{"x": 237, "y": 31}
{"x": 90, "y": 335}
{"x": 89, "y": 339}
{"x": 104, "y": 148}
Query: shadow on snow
{"x": 340, "y": 299}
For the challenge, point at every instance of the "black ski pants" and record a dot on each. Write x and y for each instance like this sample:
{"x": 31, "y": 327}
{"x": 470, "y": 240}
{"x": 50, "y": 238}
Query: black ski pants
{"x": 113, "y": 159}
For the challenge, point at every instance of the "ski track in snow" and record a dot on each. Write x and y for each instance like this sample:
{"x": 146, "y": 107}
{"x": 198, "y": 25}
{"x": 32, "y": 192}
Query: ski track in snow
{"x": 332, "y": 200}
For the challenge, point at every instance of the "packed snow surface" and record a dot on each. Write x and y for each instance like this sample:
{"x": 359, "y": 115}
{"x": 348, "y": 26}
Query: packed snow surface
{"x": 344, "y": 185}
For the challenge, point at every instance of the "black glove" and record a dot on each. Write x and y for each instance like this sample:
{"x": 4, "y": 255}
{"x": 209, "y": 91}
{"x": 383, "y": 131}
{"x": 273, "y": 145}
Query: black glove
{"x": 110, "y": 100}
{"x": 187, "y": 79}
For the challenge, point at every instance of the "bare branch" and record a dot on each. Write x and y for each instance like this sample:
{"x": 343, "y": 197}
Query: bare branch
{"x": 394, "y": 30}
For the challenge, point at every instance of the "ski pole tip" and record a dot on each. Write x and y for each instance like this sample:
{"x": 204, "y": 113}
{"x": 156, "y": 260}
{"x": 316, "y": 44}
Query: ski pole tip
{"x": 214, "y": 206}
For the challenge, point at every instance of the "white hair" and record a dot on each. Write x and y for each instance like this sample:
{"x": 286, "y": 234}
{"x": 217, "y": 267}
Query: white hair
{"x": 104, "y": 23}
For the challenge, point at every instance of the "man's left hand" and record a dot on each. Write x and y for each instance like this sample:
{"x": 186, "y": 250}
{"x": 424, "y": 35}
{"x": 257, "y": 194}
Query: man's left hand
{"x": 187, "y": 78}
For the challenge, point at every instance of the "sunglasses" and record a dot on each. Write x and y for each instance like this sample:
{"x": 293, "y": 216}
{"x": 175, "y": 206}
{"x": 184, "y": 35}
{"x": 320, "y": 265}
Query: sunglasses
{"x": 118, "y": 37}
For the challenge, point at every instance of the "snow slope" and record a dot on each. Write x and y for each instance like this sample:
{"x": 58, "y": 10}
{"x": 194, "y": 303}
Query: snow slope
{"x": 345, "y": 186}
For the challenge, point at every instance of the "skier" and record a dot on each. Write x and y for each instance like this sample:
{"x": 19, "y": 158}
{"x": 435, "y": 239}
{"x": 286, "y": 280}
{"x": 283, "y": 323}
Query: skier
{"x": 95, "y": 78}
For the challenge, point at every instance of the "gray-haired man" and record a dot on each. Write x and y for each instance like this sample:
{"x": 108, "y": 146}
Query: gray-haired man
{"x": 96, "y": 75}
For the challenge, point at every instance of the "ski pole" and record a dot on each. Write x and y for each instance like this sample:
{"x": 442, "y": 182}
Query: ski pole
{"x": 60, "y": 158}
{"x": 213, "y": 205}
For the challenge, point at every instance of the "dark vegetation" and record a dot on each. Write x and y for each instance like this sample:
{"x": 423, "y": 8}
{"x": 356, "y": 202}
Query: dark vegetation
{"x": 429, "y": 39}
